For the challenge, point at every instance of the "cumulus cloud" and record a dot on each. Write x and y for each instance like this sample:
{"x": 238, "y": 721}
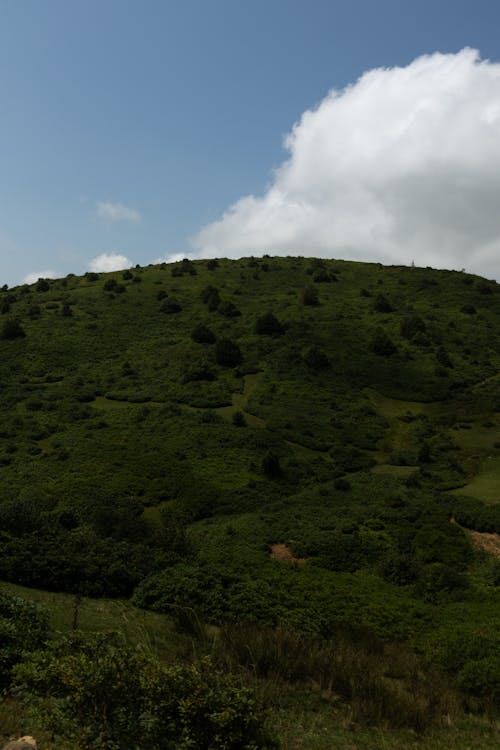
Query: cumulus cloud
{"x": 117, "y": 212}
{"x": 109, "y": 262}
{"x": 402, "y": 165}
{"x": 171, "y": 258}
{"x": 32, "y": 278}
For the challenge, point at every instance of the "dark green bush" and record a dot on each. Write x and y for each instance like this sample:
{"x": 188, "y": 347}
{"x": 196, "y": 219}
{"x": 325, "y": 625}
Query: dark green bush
{"x": 228, "y": 309}
{"x": 382, "y": 304}
{"x": 271, "y": 465}
{"x": 383, "y": 345}
{"x": 170, "y": 306}
{"x": 227, "y": 353}
{"x": 42, "y": 285}
{"x": 12, "y": 329}
{"x": 203, "y": 335}
{"x": 468, "y": 309}
{"x": 108, "y": 695}
{"x": 315, "y": 358}
{"x": 23, "y": 628}
{"x": 268, "y": 325}
{"x": 309, "y": 296}
{"x": 411, "y": 325}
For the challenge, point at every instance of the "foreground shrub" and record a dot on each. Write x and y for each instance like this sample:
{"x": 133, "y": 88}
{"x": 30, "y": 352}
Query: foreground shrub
{"x": 23, "y": 628}
{"x": 107, "y": 695}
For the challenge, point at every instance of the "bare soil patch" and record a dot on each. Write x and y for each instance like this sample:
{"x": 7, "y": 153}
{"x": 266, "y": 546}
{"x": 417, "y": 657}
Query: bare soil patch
{"x": 486, "y": 541}
{"x": 283, "y": 553}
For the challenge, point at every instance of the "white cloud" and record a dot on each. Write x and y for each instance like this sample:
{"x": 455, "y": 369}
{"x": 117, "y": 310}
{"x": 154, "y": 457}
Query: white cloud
{"x": 109, "y": 262}
{"x": 117, "y": 212}
{"x": 32, "y": 278}
{"x": 403, "y": 165}
{"x": 172, "y": 258}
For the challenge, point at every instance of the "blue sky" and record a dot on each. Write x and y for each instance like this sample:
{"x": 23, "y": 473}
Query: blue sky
{"x": 175, "y": 110}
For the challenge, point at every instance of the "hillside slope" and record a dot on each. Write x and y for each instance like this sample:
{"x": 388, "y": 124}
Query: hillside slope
{"x": 164, "y": 427}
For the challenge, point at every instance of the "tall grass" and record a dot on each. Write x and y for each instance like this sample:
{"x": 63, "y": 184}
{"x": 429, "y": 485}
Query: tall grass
{"x": 382, "y": 684}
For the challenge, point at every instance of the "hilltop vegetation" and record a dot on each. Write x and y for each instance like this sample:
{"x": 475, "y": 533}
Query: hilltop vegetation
{"x": 165, "y": 428}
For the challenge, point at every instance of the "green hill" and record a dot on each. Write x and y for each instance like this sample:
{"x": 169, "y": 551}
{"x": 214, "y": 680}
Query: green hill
{"x": 297, "y": 443}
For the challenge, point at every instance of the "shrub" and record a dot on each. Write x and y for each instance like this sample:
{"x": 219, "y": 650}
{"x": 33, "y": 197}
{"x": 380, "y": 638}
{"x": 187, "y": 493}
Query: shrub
{"x": 227, "y": 353}
{"x": 203, "y": 335}
{"x": 212, "y": 264}
{"x": 382, "y": 304}
{"x": 383, "y": 345}
{"x": 170, "y": 306}
{"x": 271, "y": 465}
{"x": 12, "y": 329}
{"x": 127, "y": 275}
{"x": 309, "y": 296}
{"x": 200, "y": 371}
{"x": 239, "y": 419}
{"x": 34, "y": 311}
{"x": 109, "y": 695}
{"x": 268, "y": 325}
{"x": 468, "y": 309}
{"x": 228, "y": 309}
{"x": 23, "y": 628}
{"x": 411, "y": 325}
{"x": 42, "y": 285}
{"x": 315, "y": 358}
{"x": 323, "y": 277}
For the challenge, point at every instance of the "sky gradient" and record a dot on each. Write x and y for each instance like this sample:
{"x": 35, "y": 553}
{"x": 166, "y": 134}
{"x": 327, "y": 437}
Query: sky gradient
{"x": 128, "y": 128}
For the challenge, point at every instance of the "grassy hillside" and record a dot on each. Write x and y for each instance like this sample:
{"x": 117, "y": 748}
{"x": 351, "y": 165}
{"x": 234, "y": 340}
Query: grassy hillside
{"x": 297, "y": 443}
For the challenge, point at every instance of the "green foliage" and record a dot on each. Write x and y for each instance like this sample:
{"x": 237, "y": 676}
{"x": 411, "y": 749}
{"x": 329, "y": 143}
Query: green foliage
{"x": 228, "y": 309}
{"x": 268, "y": 325}
{"x": 110, "y": 696}
{"x": 309, "y": 296}
{"x": 170, "y": 306}
{"x": 203, "y": 335}
{"x": 42, "y": 285}
{"x": 315, "y": 358}
{"x": 23, "y": 628}
{"x": 411, "y": 325}
{"x": 382, "y": 304}
{"x": 239, "y": 419}
{"x": 12, "y": 329}
{"x": 383, "y": 345}
{"x": 227, "y": 353}
{"x": 271, "y": 465}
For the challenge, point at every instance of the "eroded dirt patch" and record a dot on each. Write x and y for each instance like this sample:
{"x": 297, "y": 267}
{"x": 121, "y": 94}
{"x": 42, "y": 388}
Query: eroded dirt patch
{"x": 283, "y": 553}
{"x": 486, "y": 542}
